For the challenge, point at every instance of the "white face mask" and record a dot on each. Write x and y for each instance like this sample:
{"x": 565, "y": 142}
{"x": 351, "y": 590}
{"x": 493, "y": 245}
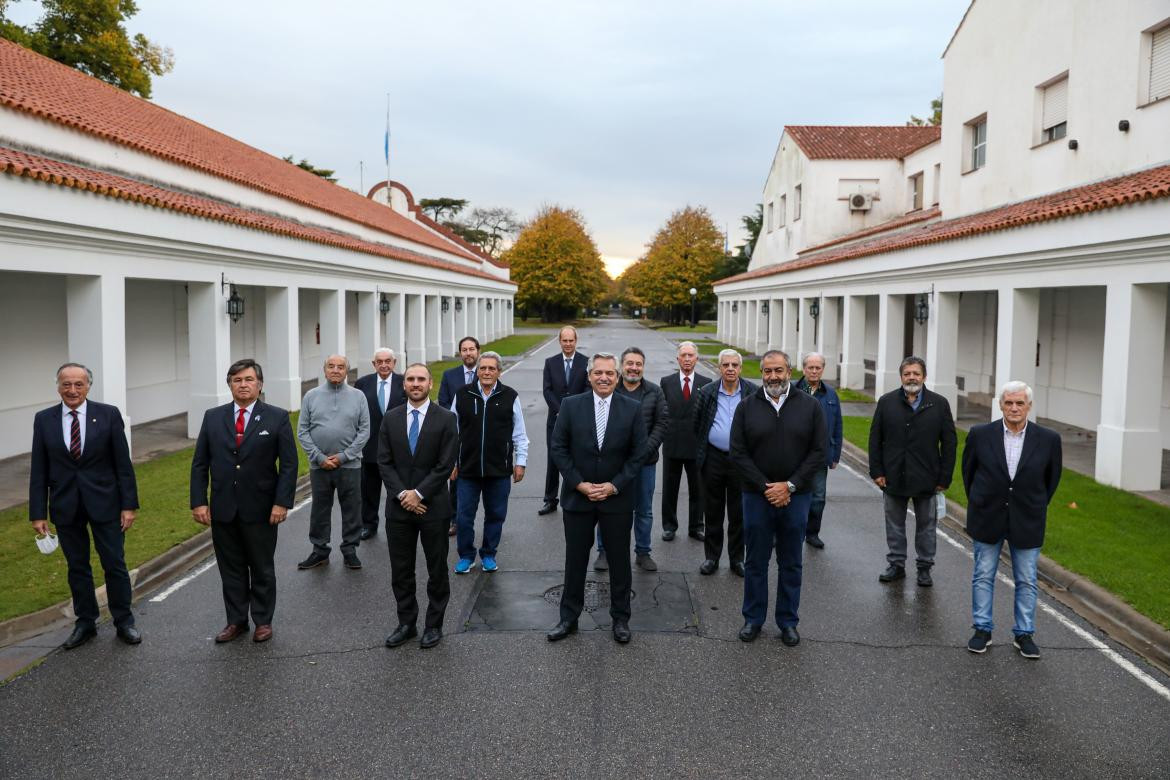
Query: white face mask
{"x": 47, "y": 544}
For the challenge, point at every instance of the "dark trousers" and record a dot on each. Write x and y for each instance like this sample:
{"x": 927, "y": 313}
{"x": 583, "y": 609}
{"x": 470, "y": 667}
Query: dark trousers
{"x": 672, "y": 471}
{"x": 816, "y": 508}
{"x": 244, "y": 554}
{"x": 722, "y": 490}
{"x": 495, "y": 491}
{"x": 403, "y": 537}
{"x": 371, "y": 496}
{"x": 615, "y": 535}
{"x": 108, "y": 539}
{"x": 781, "y": 528}
{"x": 347, "y": 484}
{"x": 925, "y": 529}
{"x": 552, "y": 477}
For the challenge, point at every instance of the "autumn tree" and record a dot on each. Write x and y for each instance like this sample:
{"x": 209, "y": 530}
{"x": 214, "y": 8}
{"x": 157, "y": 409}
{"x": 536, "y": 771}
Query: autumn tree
{"x": 556, "y": 265}
{"x": 90, "y": 35}
{"x": 686, "y": 252}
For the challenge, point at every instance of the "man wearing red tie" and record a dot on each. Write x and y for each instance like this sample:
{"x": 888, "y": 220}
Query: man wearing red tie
{"x": 82, "y": 477}
{"x": 678, "y": 448}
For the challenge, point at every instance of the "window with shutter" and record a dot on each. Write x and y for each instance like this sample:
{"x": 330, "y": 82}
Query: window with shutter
{"x": 1160, "y": 64}
{"x": 1054, "y": 122}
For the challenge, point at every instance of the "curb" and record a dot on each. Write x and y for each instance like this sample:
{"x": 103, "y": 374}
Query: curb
{"x": 143, "y": 579}
{"x": 1104, "y": 610}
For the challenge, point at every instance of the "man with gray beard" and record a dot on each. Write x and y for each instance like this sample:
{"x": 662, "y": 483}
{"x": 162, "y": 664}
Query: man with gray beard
{"x": 912, "y": 447}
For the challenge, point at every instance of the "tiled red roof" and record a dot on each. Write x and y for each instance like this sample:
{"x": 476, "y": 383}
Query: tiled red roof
{"x": 1150, "y": 184}
{"x": 16, "y": 163}
{"x": 860, "y": 142}
{"x": 905, "y": 220}
{"x": 60, "y": 94}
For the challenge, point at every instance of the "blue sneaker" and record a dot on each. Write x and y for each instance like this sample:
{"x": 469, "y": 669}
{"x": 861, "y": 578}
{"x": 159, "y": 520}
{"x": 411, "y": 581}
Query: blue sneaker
{"x": 489, "y": 563}
{"x": 464, "y": 565}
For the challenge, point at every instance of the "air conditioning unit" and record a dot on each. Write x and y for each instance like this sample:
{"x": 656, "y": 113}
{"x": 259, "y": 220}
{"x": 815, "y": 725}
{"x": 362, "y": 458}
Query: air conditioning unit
{"x": 860, "y": 202}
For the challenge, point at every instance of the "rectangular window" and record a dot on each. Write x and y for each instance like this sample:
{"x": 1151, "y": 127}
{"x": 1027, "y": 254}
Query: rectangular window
{"x": 771, "y": 210}
{"x": 976, "y": 133}
{"x": 796, "y": 203}
{"x": 1159, "y": 75}
{"x": 1054, "y": 110}
{"x": 915, "y": 190}
{"x": 782, "y": 211}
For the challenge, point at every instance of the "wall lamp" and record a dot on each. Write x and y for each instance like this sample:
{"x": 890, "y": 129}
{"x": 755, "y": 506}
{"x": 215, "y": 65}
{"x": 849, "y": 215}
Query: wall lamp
{"x": 921, "y": 309}
{"x": 235, "y": 304}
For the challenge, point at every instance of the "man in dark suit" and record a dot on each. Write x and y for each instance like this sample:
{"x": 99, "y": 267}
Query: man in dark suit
{"x": 598, "y": 444}
{"x": 564, "y": 375}
{"x": 384, "y": 391}
{"x": 246, "y": 451}
{"x": 1011, "y": 469}
{"x": 81, "y": 478}
{"x": 417, "y": 449}
{"x": 455, "y": 379}
{"x": 678, "y": 448}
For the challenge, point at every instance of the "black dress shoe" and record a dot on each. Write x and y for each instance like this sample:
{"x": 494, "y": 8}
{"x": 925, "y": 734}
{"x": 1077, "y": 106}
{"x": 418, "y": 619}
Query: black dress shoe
{"x": 892, "y": 572}
{"x": 430, "y": 638}
{"x": 749, "y": 632}
{"x": 924, "y": 580}
{"x": 697, "y": 535}
{"x": 548, "y": 508}
{"x": 314, "y": 560}
{"x": 352, "y": 561}
{"x": 708, "y": 566}
{"x": 812, "y": 540}
{"x": 367, "y": 533}
{"x": 668, "y": 536}
{"x": 789, "y": 636}
{"x": 130, "y": 635}
{"x": 401, "y": 635}
{"x": 621, "y": 632}
{"x": 562, "y": 630}
{"x": 737, "y": 568}
{"x": 81, "y": 634}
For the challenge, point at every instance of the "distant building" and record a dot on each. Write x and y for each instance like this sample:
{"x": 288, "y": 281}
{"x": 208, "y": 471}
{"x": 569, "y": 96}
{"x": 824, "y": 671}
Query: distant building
{"x": 1047, "y": 257}
{"x": 126, "y": 231}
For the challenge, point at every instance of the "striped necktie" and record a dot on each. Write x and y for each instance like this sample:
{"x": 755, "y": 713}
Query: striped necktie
{"x": 601, "y": 417}
{"x": 74, "y": 436}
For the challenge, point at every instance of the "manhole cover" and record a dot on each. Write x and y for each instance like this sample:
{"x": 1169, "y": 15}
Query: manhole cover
{"x": 596, "y": 595}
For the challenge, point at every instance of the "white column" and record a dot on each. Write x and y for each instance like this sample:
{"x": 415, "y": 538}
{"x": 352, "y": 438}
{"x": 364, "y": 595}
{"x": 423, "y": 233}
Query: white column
{"x": 96, "y": 307}
{"x": 396, "y": 327}
{"x": 369, "y": 329}
{"x": 489, "y": 329}
{"x": 331, "y": 315}
{"x": 853, "y": 343}
{"x": 808, "y": 330}
{"x": 447, "y": 342}
{"x": 741, "y": 320}
{"x": 775, "y": 323}
{"x": 760, "y": 329}
{"x": 891, "y": 336}
{"x": 829, "y": 337}
{"x": 431, "y": 325}
{"x": 1016, "y": 330}
{"x": 748, "y": 342}
{"x": 788, "y": 329}
{"x": 1129, "y": 438}
{"x": 210, "y": 348}
{"x": 942, "y": 346}
{"x": 720, "y": 320}
{"x": 282, "y": 361}
{"x": 481, "y": 319}
{"x": 415, "y": 329}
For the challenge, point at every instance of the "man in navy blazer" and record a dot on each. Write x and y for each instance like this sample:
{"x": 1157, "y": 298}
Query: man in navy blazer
{"x": 453, "y": 380}
{"x": 598, "y": 444}
{"x": 81, "y": 477}
{"x": 246, "y": 451}
{"x": 564, "y": 375}
{"x": 1011, "y": 469}
{"x": 384, "y": 391}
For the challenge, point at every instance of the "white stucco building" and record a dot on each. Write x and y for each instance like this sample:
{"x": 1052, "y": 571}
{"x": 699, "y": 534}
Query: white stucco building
{"x": 125, "y": 229}
{"x": 1047, "y": 258}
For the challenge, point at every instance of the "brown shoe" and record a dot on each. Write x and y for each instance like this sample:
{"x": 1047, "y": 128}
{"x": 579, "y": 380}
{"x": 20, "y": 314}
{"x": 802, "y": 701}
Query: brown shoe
{"x": 262, "y": 633}
{"x": 230, "y": 632}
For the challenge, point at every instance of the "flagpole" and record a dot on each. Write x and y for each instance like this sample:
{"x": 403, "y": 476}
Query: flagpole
{"x": 386, "y": 151}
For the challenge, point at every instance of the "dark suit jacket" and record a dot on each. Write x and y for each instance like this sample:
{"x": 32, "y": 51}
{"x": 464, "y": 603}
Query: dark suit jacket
{"x": 703, "y": 409}
{"x": 998, "y": 506}
{"x": 368, "y": 384}
{"x": 575, "y": 452}
{"x": 245, "y": 482}
{"x": 102, "y": 480}
{"x": 556, "y": 389}
{"x": 427, "y": 470}
{"x": 680, "y": 442}
{"x": 451, "y": 383}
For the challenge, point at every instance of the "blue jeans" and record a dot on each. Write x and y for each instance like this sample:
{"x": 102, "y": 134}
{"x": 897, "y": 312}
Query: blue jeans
{"x": 817, "y": 508}
{"x": 764, "y": 527}
{"x": 983, "y": 585}
{"x": 495, "y": 491}
{"x": 643, "y": 514}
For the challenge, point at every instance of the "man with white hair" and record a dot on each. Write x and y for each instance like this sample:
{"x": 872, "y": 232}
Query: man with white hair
{"x": 812, "y": 383}
{"x": 1011, "y": 469}
{"x": 383, "y": 390}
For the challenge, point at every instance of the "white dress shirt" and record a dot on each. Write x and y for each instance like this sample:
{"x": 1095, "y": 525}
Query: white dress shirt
{"x": 684, "y": 375}
{"x": 1013, "y": 446}
{"x": 422, "y": 416}
{"x": 67, "y": 423}
{"x": 777, "y": 403}
{"x": 247, "y": 413}
{"x": 385, "y": 386}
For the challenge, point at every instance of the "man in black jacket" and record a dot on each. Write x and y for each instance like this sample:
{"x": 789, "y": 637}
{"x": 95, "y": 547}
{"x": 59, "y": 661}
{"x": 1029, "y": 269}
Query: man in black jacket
{"x": 384, "y": 391}
{"x": 1011, "y": 469}
{"x": 778, "y": 444}
{"x": 911, "y": 457}
{"x": 598, "y": 445}
{"x": 654, "y": 412}
{"x": 237, "y": 452}
{"x": 679, "y": 445}
{"x": 81, "y": 477}
{"x": 564, "y": 375}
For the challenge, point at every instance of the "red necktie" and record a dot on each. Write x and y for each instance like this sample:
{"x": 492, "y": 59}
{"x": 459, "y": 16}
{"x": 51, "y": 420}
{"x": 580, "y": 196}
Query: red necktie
{"x": 686, "y": 388}
{"x": 240, "y": 428}
{"x": 75, "y": 436}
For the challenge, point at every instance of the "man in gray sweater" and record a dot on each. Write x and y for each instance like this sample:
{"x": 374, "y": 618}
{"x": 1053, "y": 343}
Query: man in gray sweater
{"x": 333, "y": 428}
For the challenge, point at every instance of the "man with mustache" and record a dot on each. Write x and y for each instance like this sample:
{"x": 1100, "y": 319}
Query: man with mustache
{"x": 912, "y": 447}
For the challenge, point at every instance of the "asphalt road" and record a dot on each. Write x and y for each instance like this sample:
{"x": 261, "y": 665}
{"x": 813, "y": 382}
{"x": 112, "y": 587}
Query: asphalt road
{"x": 881, "y": 683}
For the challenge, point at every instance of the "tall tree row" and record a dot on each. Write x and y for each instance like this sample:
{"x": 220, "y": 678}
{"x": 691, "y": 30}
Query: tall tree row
{"x": 556, "y": 265}
{"x": 686, "y": 252}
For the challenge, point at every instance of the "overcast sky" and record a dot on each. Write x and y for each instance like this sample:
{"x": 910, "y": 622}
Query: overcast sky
{"x": 625, "y": 110}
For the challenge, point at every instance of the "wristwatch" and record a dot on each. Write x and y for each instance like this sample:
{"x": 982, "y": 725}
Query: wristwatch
{"x": 791, "y": 487}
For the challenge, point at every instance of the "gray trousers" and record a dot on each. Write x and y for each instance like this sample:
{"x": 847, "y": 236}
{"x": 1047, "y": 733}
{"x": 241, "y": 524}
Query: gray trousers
{"x": 348, "y": 485}
{"x": 926, "y": 524}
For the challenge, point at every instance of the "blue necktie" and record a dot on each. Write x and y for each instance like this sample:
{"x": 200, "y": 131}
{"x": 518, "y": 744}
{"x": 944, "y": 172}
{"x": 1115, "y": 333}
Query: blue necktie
{"x": 568, "y": 368}
{"x": 382, "y": 395}
{"x": 412, "y": 436}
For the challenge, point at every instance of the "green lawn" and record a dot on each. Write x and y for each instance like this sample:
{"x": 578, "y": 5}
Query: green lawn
{"x": 682, "y": 330}
{"x": 31, "y": 581}
{"x": 1119, "y": 540}
{"x": 537, "y": 322}
{"x": 509, "y": 346}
